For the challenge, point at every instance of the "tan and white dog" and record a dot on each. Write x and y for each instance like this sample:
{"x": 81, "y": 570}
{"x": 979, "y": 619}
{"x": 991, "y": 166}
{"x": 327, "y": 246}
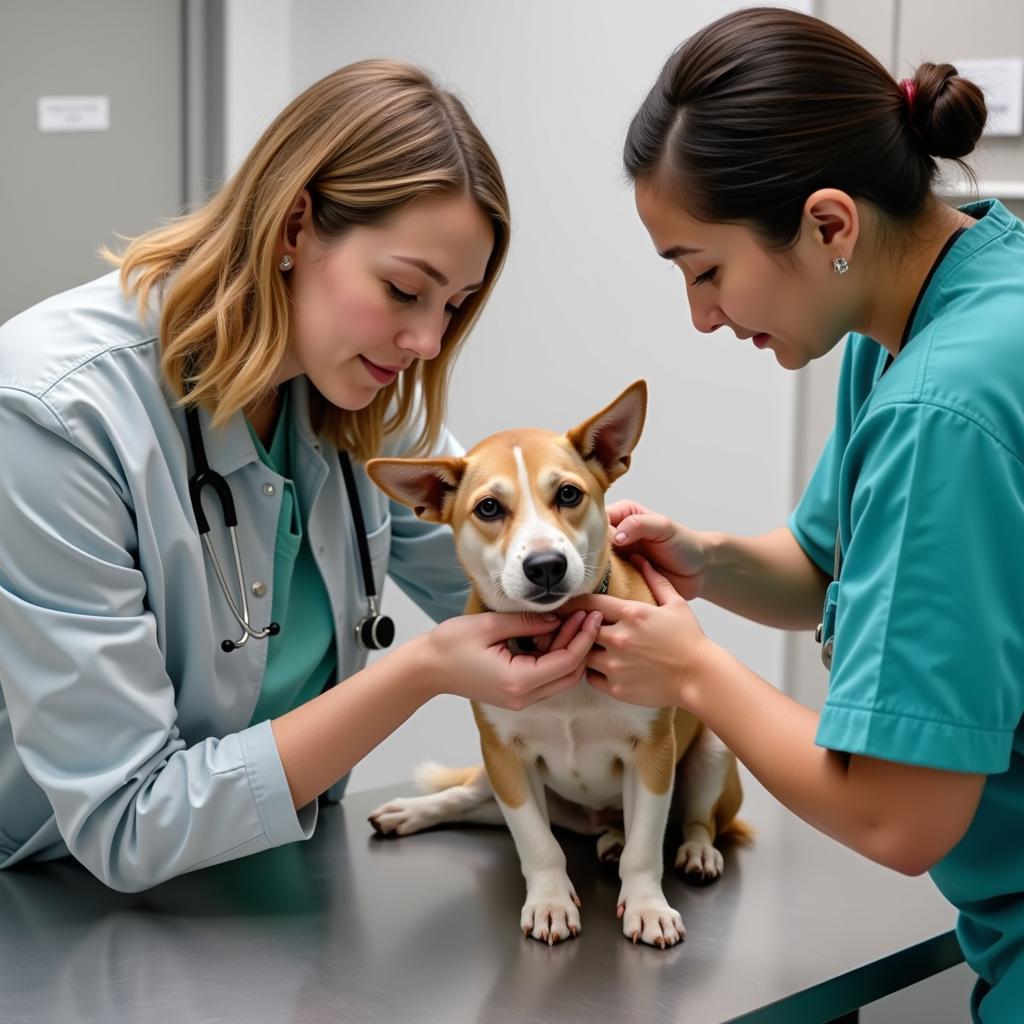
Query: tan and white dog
{"x": 527, "y": 510}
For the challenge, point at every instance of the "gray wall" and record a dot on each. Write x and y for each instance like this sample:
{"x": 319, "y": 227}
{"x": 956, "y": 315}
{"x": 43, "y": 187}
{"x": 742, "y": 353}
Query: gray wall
{"x": 65, "y": 194}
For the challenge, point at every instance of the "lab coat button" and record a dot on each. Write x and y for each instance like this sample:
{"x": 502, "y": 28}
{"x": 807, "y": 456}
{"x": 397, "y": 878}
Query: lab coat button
{"x": 269, "y": 489}
{"x": 259, "y": 588}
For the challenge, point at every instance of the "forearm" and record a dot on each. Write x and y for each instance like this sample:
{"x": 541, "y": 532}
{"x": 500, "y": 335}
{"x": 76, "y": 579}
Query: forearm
{"x": 773, "y": 735}
{"x": 768, "y": 579}
{"x": 326, "y": 737}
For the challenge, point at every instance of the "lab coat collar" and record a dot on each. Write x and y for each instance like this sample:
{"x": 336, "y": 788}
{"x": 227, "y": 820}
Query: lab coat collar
{"x": 229, "y": 447}
{"x": 309, "y": 467}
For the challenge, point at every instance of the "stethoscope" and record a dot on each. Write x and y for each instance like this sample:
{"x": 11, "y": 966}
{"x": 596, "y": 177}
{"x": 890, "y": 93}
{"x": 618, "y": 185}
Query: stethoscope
{"x": 373, "y": 632}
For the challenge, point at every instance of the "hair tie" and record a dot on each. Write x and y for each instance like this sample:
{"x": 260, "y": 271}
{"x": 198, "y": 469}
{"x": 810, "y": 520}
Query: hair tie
{"x": 909, "y": 90}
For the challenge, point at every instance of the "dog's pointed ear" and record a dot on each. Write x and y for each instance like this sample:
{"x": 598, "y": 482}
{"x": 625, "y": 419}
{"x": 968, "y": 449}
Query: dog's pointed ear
{"x": 425, "y": 485}
{"x": 607, "y": 440}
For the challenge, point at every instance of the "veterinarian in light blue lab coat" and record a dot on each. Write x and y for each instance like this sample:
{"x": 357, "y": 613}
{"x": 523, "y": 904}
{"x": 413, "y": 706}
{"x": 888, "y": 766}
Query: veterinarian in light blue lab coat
{"x": 788, "y": 176}
{"x": 312, "y": 308}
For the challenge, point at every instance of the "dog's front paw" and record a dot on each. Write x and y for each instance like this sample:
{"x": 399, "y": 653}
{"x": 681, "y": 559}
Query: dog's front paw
{"x": 699, "y": 862}
{"x": 551, "y": 911}
{"x": 646, "y": 914}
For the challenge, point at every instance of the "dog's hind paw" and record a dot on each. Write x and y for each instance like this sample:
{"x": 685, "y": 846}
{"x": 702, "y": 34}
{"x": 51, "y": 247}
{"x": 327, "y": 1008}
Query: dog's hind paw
{"x": 699, "y": 862}
{"x": 610, "y": 845}
{"x": 400, "y": 817}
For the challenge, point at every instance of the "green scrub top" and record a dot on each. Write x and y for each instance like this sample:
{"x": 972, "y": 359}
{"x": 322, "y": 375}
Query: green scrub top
{"x": 924, "y": 472}
{"x": 301, "y": 658}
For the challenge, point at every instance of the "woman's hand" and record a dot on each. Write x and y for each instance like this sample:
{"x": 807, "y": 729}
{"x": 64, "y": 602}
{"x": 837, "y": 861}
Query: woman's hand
{"x": 469, "y": 656}
{"x": 679, "y": 553}
{"x": 644, "y": 652}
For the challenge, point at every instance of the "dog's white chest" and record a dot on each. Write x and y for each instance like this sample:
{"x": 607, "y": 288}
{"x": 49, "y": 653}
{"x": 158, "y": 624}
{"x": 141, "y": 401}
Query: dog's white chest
{"x": 580, "y": 741}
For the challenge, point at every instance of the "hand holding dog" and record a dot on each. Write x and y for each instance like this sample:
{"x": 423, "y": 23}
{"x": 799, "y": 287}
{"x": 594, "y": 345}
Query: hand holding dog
{"x": 676, "y": 551}
{"x": 469, "y": 656}
{"x": 643, "y": 652}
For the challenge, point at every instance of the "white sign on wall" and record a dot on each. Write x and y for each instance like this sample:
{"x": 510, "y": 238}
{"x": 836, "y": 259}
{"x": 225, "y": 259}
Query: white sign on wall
{"x": 1002, "y": 81}
{"x": 74, "y": 113}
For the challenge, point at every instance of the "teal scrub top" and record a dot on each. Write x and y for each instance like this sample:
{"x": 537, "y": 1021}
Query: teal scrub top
{"x": 301, "y": 658}
{"x": 924, "y": 472}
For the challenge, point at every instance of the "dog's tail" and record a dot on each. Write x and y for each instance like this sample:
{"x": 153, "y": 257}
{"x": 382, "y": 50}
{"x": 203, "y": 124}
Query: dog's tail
{"x": 739, "y": 832}
{"x": 431, "y": 777}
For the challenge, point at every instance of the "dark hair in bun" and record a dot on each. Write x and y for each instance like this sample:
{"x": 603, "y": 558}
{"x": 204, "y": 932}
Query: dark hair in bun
{"x": 763, "y": 107}
{"x": 947, "y": 112}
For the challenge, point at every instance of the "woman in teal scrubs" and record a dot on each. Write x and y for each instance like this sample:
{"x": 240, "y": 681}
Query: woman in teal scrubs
{"x": 314, "y": 306}
{"x": 788, "y": 176}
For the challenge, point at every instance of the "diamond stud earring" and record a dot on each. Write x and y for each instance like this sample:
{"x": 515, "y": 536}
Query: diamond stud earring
{"x": 286, "y": 262}
{"x": 839, "y": 265}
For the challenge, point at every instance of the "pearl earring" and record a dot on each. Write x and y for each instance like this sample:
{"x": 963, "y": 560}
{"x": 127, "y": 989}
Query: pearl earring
{"x": 839, "y": 265}
{"x": 286, "y": 262}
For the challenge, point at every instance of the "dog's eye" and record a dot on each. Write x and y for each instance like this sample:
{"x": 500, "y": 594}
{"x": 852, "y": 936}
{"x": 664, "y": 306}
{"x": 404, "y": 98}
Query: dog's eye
{"x": 569, "y": 495}
{"x": 488, "y": 509}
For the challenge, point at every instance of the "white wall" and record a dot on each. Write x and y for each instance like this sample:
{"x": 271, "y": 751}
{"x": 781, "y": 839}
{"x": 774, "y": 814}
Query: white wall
{"x": 257, "y": 71}
{"x": 584, "y": 306}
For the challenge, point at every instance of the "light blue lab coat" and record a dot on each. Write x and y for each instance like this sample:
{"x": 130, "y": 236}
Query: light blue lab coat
{"x": 124, "y": 735}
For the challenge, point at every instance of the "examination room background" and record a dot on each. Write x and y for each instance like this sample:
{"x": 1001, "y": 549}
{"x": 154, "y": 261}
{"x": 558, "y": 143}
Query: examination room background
{"x": 584, "y": 306}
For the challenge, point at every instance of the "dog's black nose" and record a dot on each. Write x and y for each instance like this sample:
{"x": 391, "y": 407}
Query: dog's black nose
{"x": 545, "y": 568}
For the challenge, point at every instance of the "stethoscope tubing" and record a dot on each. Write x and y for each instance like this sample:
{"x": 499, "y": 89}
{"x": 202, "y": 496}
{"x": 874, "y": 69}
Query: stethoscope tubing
{"x": 373, "y": 632}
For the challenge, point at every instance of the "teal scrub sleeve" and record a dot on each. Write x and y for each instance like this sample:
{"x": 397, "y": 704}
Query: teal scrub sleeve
{"x": 813, "y": 522}
{"x": 930, "y": 621}
{"x": 91, "y": 706}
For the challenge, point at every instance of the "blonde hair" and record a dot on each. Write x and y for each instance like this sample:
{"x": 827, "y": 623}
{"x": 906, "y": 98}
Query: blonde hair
{"x": 365, "y": 141}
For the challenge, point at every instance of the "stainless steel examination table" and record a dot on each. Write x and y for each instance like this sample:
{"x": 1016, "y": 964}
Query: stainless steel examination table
{"x": 350, "y": 927}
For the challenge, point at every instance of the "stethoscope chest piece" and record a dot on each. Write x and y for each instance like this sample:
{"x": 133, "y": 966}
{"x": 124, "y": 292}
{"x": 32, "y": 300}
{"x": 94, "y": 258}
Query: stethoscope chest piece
{"x": 376, "y": 631}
